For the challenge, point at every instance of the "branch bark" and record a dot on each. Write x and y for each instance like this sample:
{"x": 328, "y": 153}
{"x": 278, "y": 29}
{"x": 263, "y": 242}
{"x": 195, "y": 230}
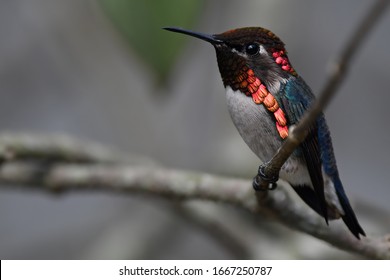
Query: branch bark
{"x": 58, "y": 147}
{"x": 184, "y": 185}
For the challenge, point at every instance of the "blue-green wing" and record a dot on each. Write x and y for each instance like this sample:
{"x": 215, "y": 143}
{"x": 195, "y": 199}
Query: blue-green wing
{"x": 295, "y": 97}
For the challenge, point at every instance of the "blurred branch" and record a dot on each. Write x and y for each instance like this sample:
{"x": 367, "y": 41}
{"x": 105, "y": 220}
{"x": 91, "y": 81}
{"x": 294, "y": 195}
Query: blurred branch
{"x": 55, "y": 147}
{"x": 338, "y": 73}
{"x": 57, "y": 176}
{"x": 62, "y": 148}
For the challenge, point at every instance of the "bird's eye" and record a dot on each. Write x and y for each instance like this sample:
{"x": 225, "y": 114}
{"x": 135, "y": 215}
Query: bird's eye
{"x": 252, "y": 49}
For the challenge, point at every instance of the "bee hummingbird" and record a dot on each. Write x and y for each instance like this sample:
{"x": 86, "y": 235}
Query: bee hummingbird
{"x": 265, "y": 97}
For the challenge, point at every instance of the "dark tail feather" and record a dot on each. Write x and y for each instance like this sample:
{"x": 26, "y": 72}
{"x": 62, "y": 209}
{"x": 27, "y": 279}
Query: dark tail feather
{"x": 312, "y": 156}
{"x": 309, "y": 197}
{"x": 349, "y": 218}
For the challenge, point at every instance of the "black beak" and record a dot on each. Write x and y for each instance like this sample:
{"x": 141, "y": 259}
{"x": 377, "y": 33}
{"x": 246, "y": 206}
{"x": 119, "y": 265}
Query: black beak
{"x": 205, "y": 37}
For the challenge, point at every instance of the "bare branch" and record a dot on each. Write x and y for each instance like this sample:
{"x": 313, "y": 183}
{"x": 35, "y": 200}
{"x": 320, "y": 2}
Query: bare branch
{"x": 174, "y": 184}
{"x": 57, "y": 147}
{"x": 337, "y": 75}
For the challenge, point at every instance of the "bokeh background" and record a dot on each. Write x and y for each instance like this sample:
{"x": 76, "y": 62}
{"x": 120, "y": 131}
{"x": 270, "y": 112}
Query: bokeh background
{"x": 104, "y": 70}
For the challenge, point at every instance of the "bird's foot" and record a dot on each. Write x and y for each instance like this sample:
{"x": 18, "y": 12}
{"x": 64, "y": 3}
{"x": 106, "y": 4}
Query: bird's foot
{"x": 261, "y": 177}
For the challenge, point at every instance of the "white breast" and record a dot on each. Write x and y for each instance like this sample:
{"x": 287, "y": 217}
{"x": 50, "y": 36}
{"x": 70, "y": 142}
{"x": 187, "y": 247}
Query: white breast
{"x": 254, "y": 124}
{"x": 258, "y": 129}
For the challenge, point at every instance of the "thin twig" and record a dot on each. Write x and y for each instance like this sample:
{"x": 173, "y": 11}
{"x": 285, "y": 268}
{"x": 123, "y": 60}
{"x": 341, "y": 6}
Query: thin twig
{"x": 337, "y": 75}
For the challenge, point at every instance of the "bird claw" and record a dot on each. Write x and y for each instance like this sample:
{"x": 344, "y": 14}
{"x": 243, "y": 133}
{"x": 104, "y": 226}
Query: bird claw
{"x": 261, "y": 176}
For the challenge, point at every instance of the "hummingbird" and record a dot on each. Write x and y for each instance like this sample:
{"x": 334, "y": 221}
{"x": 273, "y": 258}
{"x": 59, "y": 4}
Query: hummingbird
{"x": 265, "y": 98}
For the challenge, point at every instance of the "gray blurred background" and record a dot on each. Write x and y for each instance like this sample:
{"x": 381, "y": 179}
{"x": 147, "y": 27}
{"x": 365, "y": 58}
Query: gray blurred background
{"x": 105, "y": 71}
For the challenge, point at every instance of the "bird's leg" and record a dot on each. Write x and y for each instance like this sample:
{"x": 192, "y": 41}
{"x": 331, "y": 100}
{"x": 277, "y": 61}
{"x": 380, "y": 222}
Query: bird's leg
{"x": 262, "y": 182}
